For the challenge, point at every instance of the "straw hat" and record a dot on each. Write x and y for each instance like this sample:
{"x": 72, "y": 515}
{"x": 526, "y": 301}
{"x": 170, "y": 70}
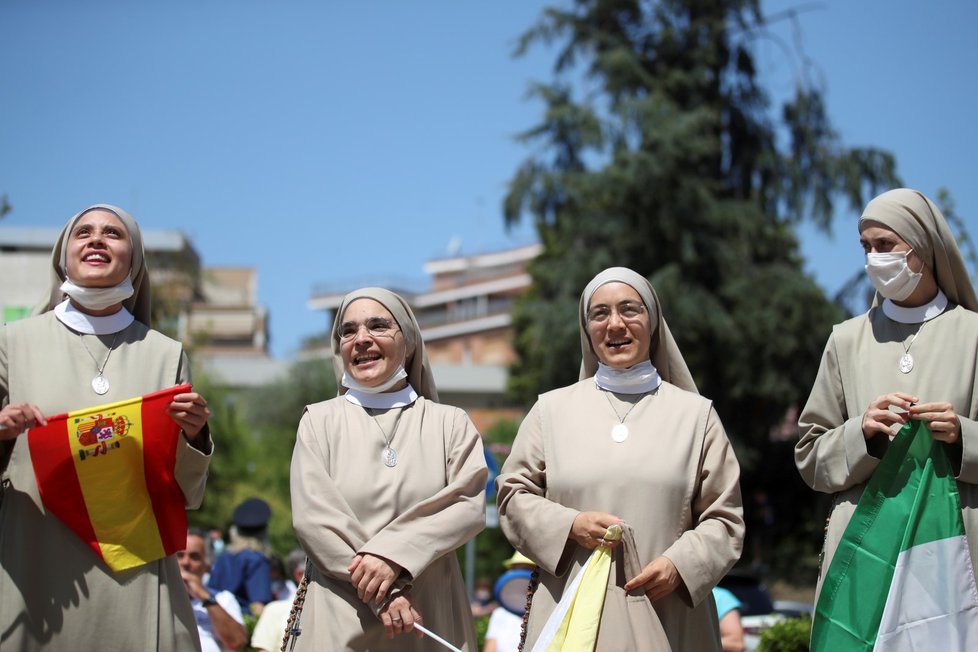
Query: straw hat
{"x": 518, "y": 559}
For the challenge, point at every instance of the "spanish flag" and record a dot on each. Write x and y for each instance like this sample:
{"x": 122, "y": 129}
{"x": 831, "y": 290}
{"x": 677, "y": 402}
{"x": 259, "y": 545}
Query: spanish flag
{"x": 107, "y": 473}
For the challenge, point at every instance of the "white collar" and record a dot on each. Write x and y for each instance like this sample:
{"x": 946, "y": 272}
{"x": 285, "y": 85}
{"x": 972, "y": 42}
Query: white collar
{"x": 401, "y": 398}
{"x": 639, "y": 379}
{"x": 87, "y": 324}
{"x": 916, "y": 314}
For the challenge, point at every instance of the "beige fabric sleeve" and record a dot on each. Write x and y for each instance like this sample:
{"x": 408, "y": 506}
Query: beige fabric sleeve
{"x": 448, "y": 519}
{"x": 832, "y": 454}
{"x": 325, "y": 525}
{"x": 535, "y": 525}
{"x": 191, "y": 463}
{"x": 705, "y": 552}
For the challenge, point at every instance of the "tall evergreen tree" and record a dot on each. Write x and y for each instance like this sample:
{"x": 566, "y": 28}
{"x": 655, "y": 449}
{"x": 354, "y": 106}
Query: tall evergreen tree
{"x": 659, "y": 151}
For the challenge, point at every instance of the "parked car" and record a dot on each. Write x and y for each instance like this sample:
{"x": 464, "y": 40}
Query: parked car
{"x": 759, "y": 610}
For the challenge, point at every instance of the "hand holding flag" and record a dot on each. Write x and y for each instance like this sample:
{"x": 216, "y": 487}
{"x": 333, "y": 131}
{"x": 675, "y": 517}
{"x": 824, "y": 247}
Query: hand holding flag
{"x": 108, "y": 473}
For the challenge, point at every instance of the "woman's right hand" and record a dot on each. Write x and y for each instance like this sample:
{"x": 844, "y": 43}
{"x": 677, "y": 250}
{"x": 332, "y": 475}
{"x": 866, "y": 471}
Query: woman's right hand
{"x": 18, "y": 417}
{"x": 589, "y": 528}
{"x": 879, "y": 418}
{"x": 399, "y": 615}
{"x": 372, "y": 576}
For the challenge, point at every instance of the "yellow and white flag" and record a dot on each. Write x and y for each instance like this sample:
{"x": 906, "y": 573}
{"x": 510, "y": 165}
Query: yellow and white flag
{"x": 573, "y": 625}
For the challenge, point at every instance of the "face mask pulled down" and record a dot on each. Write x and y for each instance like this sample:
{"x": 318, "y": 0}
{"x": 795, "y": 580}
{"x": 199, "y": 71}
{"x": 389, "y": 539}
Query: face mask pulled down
{"x": 891, "y": 275}
{"x": 98, "y": 298}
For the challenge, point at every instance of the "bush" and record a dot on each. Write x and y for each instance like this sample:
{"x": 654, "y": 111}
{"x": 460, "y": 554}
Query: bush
{"x": 481, "y": 625}
{"x": 790, "y": 635}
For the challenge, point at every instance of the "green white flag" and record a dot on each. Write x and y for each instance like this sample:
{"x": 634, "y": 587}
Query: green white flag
{"x": 902, "y": 578}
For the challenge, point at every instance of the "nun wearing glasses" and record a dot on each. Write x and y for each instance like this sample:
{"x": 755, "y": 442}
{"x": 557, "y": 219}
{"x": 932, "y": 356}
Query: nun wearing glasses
{"x": 632, "y": 442}
{"x": 386, "y": 484}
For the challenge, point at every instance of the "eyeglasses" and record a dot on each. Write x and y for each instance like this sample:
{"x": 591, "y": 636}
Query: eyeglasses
{"x": 627, "y": 311}
{"x": 376, "y": 326}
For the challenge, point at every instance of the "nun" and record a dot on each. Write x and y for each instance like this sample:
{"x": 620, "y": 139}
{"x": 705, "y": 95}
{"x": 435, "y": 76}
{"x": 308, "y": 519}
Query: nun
{"x": 631, "y": 443}
{"x": 912, "y": 356}
{"x": 386, "y": 484}
{"x": 91, "y": 344}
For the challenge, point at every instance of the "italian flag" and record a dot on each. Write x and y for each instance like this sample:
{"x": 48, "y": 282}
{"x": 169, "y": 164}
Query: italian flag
{"x": 902, "y": 577}
{"x": 107, "y": 473}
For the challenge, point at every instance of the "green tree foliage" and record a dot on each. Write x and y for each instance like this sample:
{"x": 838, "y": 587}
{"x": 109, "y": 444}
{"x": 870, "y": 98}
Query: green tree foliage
{"x": 791, "y": 635}
{"x": 658, "y": 151}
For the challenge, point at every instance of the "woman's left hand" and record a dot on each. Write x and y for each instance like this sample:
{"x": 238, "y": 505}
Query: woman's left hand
{"x": 190, "y": 413}
{"x": 940, "y": 418}
{"x": 373, "y": 576}
{"x": 400, "y": 615}
{"x": 658, "y": 579}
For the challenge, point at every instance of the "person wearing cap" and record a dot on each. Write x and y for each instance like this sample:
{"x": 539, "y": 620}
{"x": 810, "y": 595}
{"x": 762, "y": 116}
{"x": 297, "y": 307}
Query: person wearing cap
{"x": 631, "y": 443}
{"x": 912, "y": 356}
{"x": 386, "y": 484}
{"x": 244, "y": 569}
{"x": 90, "y": 343}
{"x": 503, "y": 631}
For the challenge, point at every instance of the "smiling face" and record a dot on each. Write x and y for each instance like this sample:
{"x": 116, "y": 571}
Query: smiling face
{"x": 99, "y": 251}
{"x": 371, "y": 343}
{"x": 619, "y": 326}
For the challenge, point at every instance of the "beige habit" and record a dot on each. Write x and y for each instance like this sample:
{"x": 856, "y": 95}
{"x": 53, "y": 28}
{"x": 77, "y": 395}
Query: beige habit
{"x": 345, "y": 501}
{"x": 674, "y": 480}
{"x": 55, "y": 594}
{"x": 860, "y": 363}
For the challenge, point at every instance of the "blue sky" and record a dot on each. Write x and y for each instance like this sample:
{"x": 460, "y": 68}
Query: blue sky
{"x": 326, "y": 142}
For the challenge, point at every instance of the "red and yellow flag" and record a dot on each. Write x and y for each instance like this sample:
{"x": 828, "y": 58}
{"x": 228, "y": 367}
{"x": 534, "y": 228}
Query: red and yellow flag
{"x": 107, "y": 473}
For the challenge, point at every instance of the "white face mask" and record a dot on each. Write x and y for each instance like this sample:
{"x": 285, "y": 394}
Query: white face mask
{"x": 891, "y": 275}
{"x": 350, "y": 383}
{"x": 99, "y": 298}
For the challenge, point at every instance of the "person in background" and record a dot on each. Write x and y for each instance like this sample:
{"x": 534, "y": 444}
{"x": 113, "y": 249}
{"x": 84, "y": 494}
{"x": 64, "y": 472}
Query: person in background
{"x": 632, "y": 442}
{"x": 912, "y": 356}
{"x": 728, "y": 611}
{"x": 482, "y": 602}
{"x": 244, "y": 568}
{"x": 283, "y": 588}
{"x": 91, "y": 343}
{"x": 270, "y": 628}
{"x": 215, "y": 543}
{"x": 386, "y": 484}
{"x": 219, "y": 619}
{"x": 503, "y": 632}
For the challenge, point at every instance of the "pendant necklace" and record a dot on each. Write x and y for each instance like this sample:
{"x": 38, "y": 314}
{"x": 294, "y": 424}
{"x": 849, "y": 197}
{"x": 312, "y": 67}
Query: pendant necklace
{"x": 906, "y": 360}
{"x": 100, "y": 384}
{"x": 619, "y": 432}
{"x": 388, "y": 455}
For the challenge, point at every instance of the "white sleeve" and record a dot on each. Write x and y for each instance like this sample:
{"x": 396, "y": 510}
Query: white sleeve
{"x": 229, "y": 603}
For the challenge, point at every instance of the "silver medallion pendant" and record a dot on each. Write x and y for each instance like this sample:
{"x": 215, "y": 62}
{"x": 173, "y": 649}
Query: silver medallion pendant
{"x": 389, "y": 455}
{"x": 100, "y": 384}
{"x": 906, "y": 363}
{"x": 619, "y": 433}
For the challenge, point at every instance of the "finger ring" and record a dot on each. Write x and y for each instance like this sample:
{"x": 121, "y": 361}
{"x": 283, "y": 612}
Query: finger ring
{"x": 396, "y": 620}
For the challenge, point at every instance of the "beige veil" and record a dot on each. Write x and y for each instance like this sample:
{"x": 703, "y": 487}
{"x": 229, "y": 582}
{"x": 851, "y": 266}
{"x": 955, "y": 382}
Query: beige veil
{"x": 664, "y": 353}
{"x": 917, "y": 220}
{"x": 140, "y": 301}
{"x": 416, "y": 358}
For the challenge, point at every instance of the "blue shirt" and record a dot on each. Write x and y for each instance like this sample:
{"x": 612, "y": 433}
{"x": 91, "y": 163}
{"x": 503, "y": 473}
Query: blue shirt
{"x": 726, "y": 601}
{"x": 245, "y": 574}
